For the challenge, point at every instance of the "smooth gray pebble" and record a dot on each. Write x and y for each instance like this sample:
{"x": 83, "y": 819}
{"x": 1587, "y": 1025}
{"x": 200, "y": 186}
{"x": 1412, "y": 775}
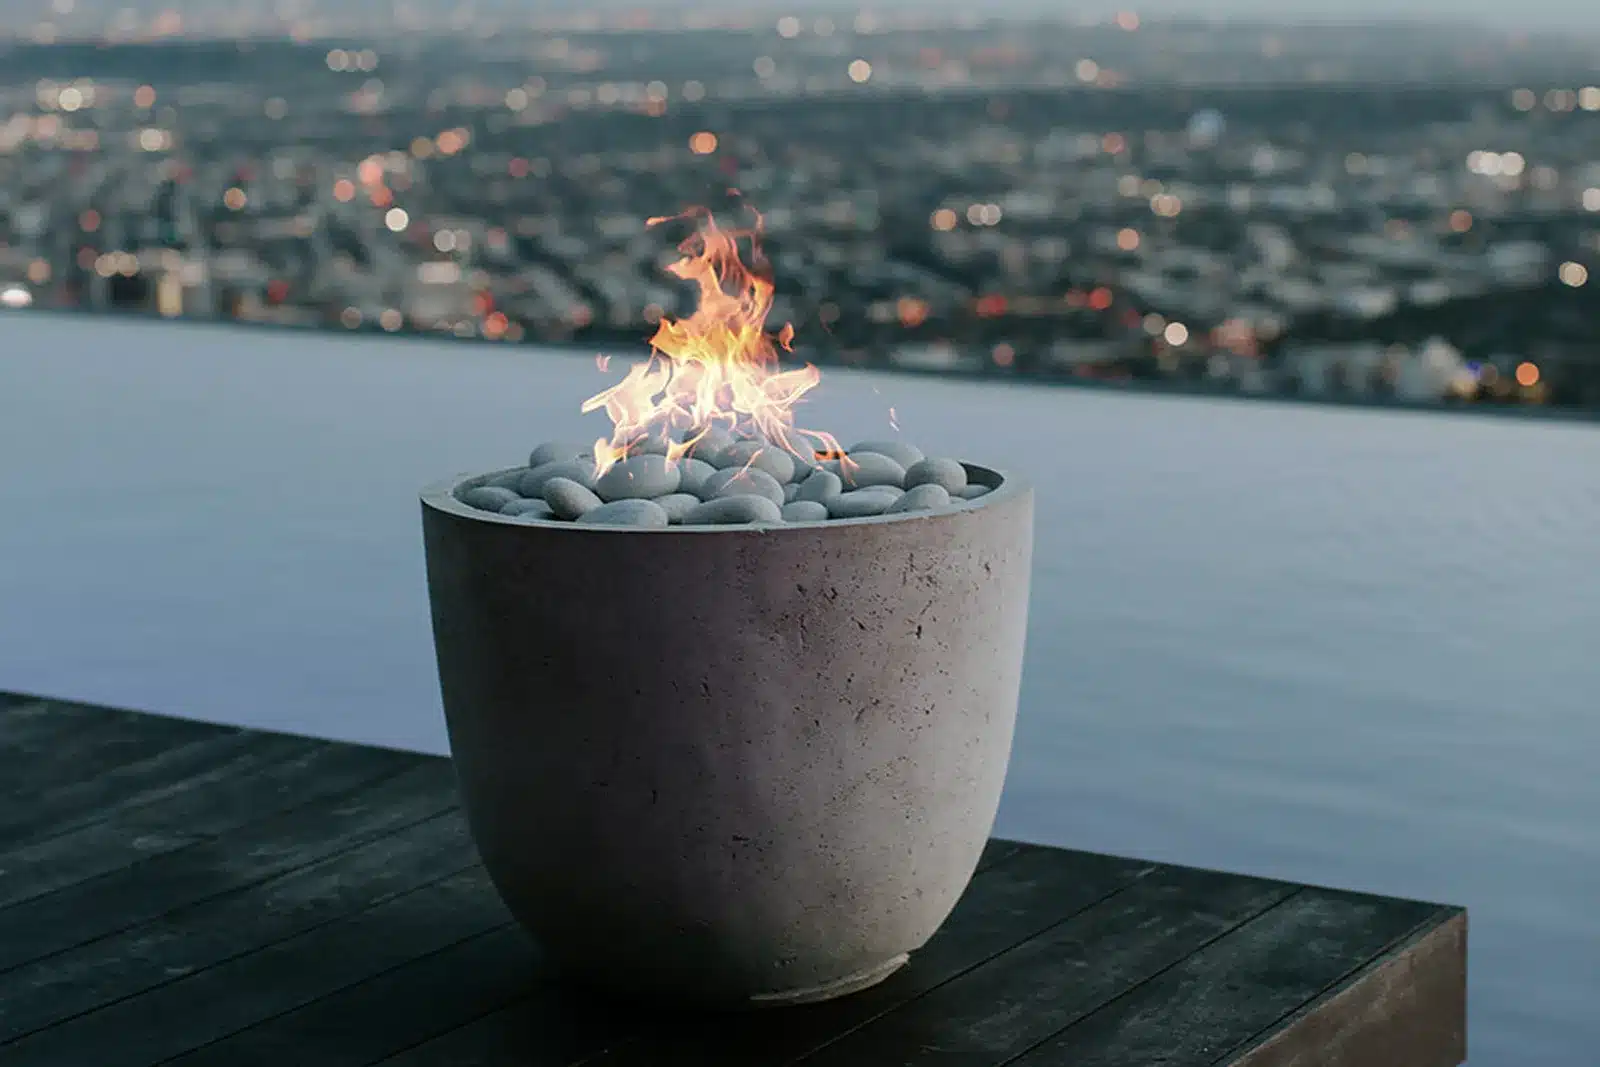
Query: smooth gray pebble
{"x": 711, "y": 445}
{"x": 692, "y": 474}
{"x": 640, "y": 477}
{"x": 804, "y": 511}
{"x": 872, "y": 468}
{"x": 925, "y": 497}
{"x": 821, "y": 487}
{"x": 488, "y": 497}
{"x": 975, "y": 490}
{"x": 653, "y": 442}
{"x": 532, "y": 508}
{"x": 948, "y": 474}
{"x": 738, "y": 481}
{"x": 805, "y": 458}
{"x": 569, "y": 499}
{"x": 899, "y": 451}
{"x": 758, "y": 455}
{"x": 859, "y": 504}
{"x": 629, "y": 511}
{"x": 574, "y": 470}
{"x": 556, "y": 451}
{"x": 677, "y": 505}
{"x": 508, "y": 479}
{"x": 733, "y": 510}
{"x": 790, "y": 491}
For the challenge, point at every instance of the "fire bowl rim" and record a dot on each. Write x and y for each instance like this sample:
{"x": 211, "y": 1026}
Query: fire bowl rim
{"x": 441, "y": 496}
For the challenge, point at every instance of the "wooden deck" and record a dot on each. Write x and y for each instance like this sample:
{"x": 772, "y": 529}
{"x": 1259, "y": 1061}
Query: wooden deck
{"x": 172, "y": 892}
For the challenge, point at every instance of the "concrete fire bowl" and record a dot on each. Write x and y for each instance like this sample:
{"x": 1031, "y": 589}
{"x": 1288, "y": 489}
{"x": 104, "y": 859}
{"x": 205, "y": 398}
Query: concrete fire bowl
{"x": 739, "y": 765}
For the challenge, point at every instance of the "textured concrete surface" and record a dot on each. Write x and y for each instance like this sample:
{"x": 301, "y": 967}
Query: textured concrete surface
{"x": 731, "y": 765}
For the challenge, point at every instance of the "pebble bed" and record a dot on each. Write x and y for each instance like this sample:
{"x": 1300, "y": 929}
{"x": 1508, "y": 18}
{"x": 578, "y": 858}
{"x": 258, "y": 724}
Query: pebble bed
{"x": 724, "y": 481}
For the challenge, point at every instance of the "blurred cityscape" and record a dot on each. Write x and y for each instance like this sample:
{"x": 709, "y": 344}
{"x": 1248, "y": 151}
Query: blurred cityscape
{"x": 1402, "y": 211}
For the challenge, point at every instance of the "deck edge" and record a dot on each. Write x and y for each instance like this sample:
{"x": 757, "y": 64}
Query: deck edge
{"x": 11, "y": 699}
{"x": 1405, "y": 1008}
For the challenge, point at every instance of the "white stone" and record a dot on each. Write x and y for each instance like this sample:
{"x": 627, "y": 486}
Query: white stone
{"x": 574, "y": 470}
{"x": 569, "y": 499}
{"x": 629, "y": 511}
{"x": 641, "y": 477}
{"x": 804, "y": 511}
{"x": 692, "y": 474}
{"x": 677, "y": 505}
{"x": 859, "y": 504}
{"x": 899, "y": 451}
{"x": 948, "y": 474}
{"x": 733, "y": 510}
{"x": 711, "y": 444}
{"x": 758, "y": 455}
{"x": 865, "y": 469}
{"x": 488, "y": 497}
{"x": 653, "y": 442}
{"x": 821, "y": 487}
{"x": 556, "y": 451}
{"x": 508, "y": 479}
{"x": 738, "y": 481}
{"x": 804, "y": 453}
{"x": 974, "y": 491}
{"x": 926, "y": 497}
{"x": 532, "y": 508}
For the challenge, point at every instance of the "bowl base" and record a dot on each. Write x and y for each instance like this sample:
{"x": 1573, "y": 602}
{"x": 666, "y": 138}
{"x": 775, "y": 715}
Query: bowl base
{"x": 839, "y": 987}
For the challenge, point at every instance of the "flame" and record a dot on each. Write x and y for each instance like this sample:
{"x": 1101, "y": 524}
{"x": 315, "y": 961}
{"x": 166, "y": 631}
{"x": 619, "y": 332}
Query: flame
{"x": 718, "y": 367}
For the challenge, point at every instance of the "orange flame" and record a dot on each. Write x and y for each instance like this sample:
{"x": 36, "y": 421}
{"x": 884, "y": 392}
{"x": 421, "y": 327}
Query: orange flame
{"x": 718, "y": 367}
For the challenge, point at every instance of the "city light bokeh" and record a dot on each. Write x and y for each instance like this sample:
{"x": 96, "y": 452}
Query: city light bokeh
{"x": 1340, "y": 212}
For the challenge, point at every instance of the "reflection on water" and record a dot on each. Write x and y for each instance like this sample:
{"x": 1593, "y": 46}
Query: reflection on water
{"x": 1332, "y": 646}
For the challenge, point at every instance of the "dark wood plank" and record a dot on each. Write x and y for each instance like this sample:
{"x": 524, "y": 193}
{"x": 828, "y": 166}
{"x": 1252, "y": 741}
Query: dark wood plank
{"x": 185, "y": 894}
{"x": 205, "y": 1007}
{"x": 30, "y": 720}
{"x": 279, "y": 773}
{"x": 1027, "y": 891}
{"x": 43, "y": 721}
{"x": 348, "y": 812}
{"x": 50, "y": 744}
{"x": 392, "y": 1012}
{"x": 550, "y": 1025}
{"x": 1002, "y": 1009}
{"x": 1237, "y": 986}
{"x": 39, "y": 869}
{"x": 434, "y": 995}
{"x": 1406, "y": 1009}
{"x": 191, "y": 939}
{"x": 997, "y": 850}
{"x": 174, "y": 770}
{"x": 192, "y": 809}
